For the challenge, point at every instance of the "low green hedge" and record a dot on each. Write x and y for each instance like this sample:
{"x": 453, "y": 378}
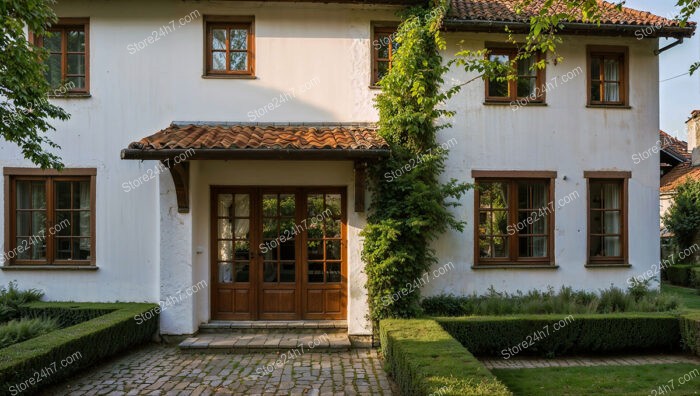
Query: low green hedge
{"x": 680, "y": 275}
{"x": 29, "y": 365}
{"x": 690, "y": 332}
{"x": 695, "y": 277}
{"x": 426, "y": 360}
{"x": 66, "y": 315}
{"x": 551, "y": 335}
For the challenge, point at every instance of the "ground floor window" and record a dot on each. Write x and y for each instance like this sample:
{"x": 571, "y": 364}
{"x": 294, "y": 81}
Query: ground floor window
{"x": 514, "y": 218}
{"x": 607, "y": 217}
{"x": 50, "y": 216}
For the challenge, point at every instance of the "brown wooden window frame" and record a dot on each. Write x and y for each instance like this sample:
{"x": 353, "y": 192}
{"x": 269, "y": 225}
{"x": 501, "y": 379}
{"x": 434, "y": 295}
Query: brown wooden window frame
{"x": 512, "y": 178}
{"x": 62, "y": 27}
{"x": 228, "y": 23}
{"x": 603, "y": 52}
{"x": 621, "y": 177}
{"x": 381, "y": 29}
{"x": 49, "y": 177}
{"x": 540, "y": 77}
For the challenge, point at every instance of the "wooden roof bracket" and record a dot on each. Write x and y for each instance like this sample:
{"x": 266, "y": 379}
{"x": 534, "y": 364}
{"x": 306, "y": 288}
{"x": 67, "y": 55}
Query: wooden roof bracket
{"x": 181, "y": 178}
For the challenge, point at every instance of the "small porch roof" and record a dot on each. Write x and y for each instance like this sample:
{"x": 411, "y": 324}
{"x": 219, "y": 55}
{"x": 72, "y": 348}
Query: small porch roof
{"x": 225, "y": 140}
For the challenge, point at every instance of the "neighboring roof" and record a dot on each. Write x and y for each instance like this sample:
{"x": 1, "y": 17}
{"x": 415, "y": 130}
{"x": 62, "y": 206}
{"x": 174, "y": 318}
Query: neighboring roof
{"x": 674, "y": 146}
{"x": 494, "y": 15}
{"x": 261, "y": 141}
{"x": 678, "y": 175}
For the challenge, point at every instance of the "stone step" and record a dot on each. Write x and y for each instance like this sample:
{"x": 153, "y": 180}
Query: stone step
{"x": 270, "y": 327}
{"x": 266, "y": 343}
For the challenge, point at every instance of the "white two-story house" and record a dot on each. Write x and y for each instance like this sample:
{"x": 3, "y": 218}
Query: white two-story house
{"x": 216, "y": 155}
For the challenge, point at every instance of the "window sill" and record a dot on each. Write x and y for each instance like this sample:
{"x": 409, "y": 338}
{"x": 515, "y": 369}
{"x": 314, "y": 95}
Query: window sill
{"x": 77, "y": 95}
{"x": 229, "y": 76}
{"x": 49, "y": 267}
{"x": 515, "y": 103}
{"x": 377, "y": 87}
{"x": 514, "y": 266}
{"x": 601, "y": 106}
{"x": 608, "y": 265}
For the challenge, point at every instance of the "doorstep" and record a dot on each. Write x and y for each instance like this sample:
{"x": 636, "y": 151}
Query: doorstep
{"x": 266, "y": 342}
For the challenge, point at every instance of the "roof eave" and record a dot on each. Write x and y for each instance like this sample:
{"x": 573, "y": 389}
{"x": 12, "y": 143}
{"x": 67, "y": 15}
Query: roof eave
{"x": 573, "y": 28}
{"x": 256, "y": 154}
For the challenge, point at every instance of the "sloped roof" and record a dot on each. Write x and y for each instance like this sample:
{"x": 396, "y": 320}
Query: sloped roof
{"x": 678, "y": 175}
{"x": 674, "y": 146}
{"x": 476, "y": 12}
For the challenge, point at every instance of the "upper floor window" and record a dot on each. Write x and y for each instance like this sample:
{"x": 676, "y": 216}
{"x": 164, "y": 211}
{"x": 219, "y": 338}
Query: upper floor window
{"x": 383, "y": 48}
{"x": 608, "y": 76}
{"x": 526, "y": 81}
{"x": 607, "y": 217}
{"x": 67, "y": 62}
{"x": 515, "y": 218}
{"x": 51, "y": 217}
{"x": 230, "y": 43}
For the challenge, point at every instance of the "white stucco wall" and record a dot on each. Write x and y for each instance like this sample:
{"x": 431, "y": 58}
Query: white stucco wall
{"x": 146, "y": 251}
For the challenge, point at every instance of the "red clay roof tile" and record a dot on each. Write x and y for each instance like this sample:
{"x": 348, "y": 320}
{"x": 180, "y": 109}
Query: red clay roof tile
{"x": 679, "y": 174}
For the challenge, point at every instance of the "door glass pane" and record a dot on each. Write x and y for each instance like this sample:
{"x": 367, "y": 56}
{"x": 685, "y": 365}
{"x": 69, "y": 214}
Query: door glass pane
{"x": 225, "y": 229}
{"x": 269, "y": 205}
{"x": 270, "y": 272}
{"x": 242, "y": 205}
{"x": 287, "y": 205}
{"x": 242, "y": 228}
{"x": 315, "y": 250}
{"x": 315, "y": 205}
{"x": 315, "y": 272}
{"x": 288, "y": 250}
{"x": 332, "y": 250}
{"x": 225, "y": 272}
{"x": 332, "y": 228}
{"x": 242, "y": 251}
{"x": 270, "y": 228}
{"x": 287, "y": 273}
{"x": 225, "y": 250}
{"x": 333, "y": 272}
{"x": 242, "y": 271}
{"x": 333, "y": 202}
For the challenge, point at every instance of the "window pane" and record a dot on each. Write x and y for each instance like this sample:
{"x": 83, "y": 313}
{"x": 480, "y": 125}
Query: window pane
{"x": 242, "y": 251}
{"x": 225, "y": 229}
{"x": 76, "y": 82}
{"x": 76, "y": 41}
{"x": 493, "y": 195}
{"x": 315, "y": 272}
{"x": 224, "y": 202}
{"x": 382, "y": 69}
{"x": 81, "y": 249}
{"x": 38, "y": 223}
{"x": 218, "y": 39}
{"x": 314, "y": 250}
{"x": 333, "y": 203}
{"x": 532, "y": 247}
{"x": 239, "y": 39}
{"x": 606, "y": 195}
{"x": 63, "y": 248}
{"x": 500, "y": 247}
{"x": 53, "y": 73}
{"x": 23, "y": 249}
{"x": 612, "y": 222}
{"x": 595, "y": 91}
{"x": 270, "y": 230}
{"x": 287, "y": 205}
{"x": 76, "y": 63}
{"x": 225, "y": 250}
{"x": 239, "y": 61}
{"x": 242, "y": 205}
{"x": 612, "y": 92}
{"x": 526, "y": 87}
{"x": 382, "y": 45}
{"x": 24, "y": 224}
{"x": 218, "y": 60}
{"x": 332, "y": 228}
{"x": 31, "y": 195}
{"x": 498, "y": 88}
{"x": 63, "y": 195}
{"x": 612, "y": 69}
{"x": 532, "y": 195}
{"x": 270, "y": 205}
{"x": 332, "y": 250}
{"x": 288, "y": 250}
{"x": 242, "y": 228}
{"x": 242, "y": 272}
{"x": 63, "y": 223}
{"x": 52, "y": 42}
{"x": 81, "y": 198}
{"x": 525, "y": 67}
{"x": 595, "y": 68}
{"x": 314, "y": 230}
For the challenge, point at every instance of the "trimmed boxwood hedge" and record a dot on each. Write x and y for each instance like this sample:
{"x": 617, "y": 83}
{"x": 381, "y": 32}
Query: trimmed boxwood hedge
{"x": 85, "y": 343}
{"x": 695, "y": 277}
{"x": 424, "y": 359}
{"x": 680, "y": 275}
{"x": 66, "y": 315}
{"x": 690, "y": 332}
{"x": 585, "y": 334}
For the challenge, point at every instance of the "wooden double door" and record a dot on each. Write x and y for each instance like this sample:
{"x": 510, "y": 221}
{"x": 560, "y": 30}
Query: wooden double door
{"x": 278, "y": 253}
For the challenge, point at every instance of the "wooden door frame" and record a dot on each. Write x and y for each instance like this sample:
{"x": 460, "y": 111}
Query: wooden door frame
{"x": 256, "y": 267}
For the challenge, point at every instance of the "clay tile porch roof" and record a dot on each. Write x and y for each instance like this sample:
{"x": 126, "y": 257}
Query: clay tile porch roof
{"x": 678, "y": 175}
{"x": 674, "y": 146}
{"x": 261, "y": 141}
{"x": 492, "y": 15}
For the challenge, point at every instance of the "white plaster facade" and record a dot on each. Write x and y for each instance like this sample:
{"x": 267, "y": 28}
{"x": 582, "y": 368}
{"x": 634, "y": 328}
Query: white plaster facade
{"x": 147, "y": 251}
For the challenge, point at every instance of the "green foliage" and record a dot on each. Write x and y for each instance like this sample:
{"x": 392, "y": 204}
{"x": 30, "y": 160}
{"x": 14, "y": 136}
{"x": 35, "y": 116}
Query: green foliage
{"x": 87, "y": 343}
{"x": 680, "y": 275}
{"x": 411, "y": 211}
{"x": 683, "y": 217}
{"x": 690, "y": 332}
{"x": 25, "y": 111}
{"x": 16, "y": 331}
{"x": 425, "y": 360}
{"x": 581, "y": 334}
{"x": 11, "y": 298}
{"x": 65, "y": 315}
{"x": 566, "y": 301}
{"x": 695, "y": 277}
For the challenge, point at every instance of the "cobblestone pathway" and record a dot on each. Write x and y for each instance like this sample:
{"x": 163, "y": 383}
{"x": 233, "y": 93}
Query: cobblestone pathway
{"x": 159, "y": 370}
{"x": 523, "y": 363}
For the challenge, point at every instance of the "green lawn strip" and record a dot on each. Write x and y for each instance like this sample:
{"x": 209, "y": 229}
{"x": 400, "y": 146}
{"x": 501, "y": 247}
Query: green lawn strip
{"x": 424, "y": 359}
{"x": 604, "y": 380}
{"x": 555, "y": 335}
{"x": 689, "y": 297}
{"x": 85, "y": 343}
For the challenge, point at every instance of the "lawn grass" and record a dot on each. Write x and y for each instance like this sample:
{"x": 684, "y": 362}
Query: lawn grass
{"x": 604, "y": 380}
{"x": 689, "y": 297}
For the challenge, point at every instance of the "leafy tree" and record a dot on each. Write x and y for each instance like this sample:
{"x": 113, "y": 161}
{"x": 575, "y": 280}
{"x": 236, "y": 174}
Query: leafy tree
{"x": 25, "y": 111}
{"x": 683, "y": 217}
